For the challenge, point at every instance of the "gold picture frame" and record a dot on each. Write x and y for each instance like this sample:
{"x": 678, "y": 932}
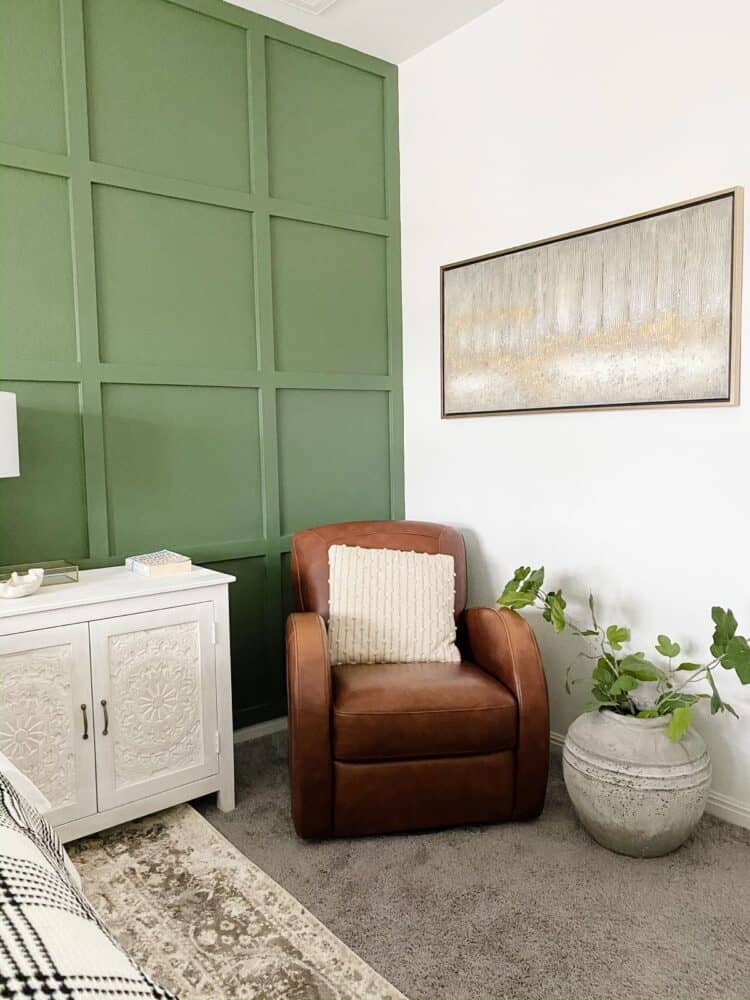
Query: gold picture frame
{"x": 692, "y": 247}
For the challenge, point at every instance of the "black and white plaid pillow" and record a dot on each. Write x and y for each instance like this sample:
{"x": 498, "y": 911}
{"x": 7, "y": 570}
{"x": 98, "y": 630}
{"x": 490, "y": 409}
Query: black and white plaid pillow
{"x": 53, "y": 946}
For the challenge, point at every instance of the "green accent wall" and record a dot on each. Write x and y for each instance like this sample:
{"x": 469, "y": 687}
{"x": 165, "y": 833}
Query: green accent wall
{"x": 199, "y": 295}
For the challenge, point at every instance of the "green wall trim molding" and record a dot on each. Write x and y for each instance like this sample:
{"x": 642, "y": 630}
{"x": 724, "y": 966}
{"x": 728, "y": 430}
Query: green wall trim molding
{"x": 200, "y": 301}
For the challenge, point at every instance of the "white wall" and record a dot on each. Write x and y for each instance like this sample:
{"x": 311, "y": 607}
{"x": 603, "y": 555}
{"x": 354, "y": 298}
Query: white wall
{"x": 539, "y": 118}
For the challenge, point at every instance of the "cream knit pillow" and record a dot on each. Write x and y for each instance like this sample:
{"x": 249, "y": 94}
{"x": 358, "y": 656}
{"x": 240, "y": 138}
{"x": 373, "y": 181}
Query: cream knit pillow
{"x": 388, "y": 606}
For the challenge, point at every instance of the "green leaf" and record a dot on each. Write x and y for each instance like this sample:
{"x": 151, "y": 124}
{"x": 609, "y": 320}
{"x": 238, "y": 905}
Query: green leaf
{"x": 717, "y": 705}
{"x": 669, "y": 703}
{"x": 726, "y": 626}
{"x": 692, "y": 667}
{"x": 724, "y": 619}
{"x": 737, "y": 658}
{"x": 556, "y": 605}
{"x": 515, "y": 599}
{"x": 589, "y": 631}
{"x": 679, "y": 723}
{"x": 616, "y": 636}
{"x": 623, "y": 684}
{"x": 601, "y": 693}
{"x": 535, "y": 580}
{"x": 523, "y": 589}
{"x": 638, "y": 666}
{"x": 648, "y": 713}
{"x": 603, "y": 672}
{"x": 665, "y": 646}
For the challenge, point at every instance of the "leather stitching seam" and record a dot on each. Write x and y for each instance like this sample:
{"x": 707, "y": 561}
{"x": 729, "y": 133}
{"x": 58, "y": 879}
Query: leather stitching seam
{"x": 426, "y": 711}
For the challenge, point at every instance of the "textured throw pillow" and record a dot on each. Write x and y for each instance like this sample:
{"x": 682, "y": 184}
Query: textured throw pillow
{"x": 24, "y": 785}
{"x": 35, "y": 798}
{"x": 52, "y": 942}
{"x": 388, "y": 606}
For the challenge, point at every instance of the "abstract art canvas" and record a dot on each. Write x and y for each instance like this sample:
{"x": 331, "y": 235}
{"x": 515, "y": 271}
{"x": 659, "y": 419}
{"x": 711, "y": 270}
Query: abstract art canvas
{"x": 638, "y": 312}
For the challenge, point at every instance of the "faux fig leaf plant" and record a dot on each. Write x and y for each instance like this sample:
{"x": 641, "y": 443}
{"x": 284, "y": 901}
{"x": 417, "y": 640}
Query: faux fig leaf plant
{"x": 630, "y": 683}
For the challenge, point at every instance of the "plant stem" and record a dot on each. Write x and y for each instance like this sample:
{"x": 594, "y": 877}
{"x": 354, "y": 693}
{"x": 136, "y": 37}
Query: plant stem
{"x": 696, "y": 674}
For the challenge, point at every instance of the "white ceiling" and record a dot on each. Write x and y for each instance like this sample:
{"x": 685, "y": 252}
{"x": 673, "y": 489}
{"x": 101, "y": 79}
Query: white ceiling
{"x": 390, "y": 29}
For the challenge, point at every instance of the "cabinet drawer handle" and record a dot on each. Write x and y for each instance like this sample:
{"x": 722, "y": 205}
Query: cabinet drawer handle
{"x": 106, "y": 717}
{"x": 85, "y": 723}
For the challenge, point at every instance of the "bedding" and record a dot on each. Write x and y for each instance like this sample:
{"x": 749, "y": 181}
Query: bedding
{"x": 53, "y": 946}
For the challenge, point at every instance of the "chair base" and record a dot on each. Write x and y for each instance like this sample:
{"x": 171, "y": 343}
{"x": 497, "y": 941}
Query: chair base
{"x": 397, "y": 796}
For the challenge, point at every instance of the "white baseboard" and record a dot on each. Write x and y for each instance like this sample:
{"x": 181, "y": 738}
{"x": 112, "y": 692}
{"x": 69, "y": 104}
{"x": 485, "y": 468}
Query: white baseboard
{"x": 260, "y": 729}
{"x": 722, "y": 806}
{"x": 729, "y": 809}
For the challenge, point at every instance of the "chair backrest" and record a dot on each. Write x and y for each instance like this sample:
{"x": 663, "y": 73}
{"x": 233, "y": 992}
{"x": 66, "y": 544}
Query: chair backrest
{"x": 310, "y": 554}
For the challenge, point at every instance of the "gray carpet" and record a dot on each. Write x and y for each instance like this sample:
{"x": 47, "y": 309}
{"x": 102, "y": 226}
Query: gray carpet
{"x": 519, "y": 911}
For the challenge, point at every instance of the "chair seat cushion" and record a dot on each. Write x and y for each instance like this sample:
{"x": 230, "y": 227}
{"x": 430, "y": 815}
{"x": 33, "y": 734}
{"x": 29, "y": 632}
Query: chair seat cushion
{"x": 395, "y": 711}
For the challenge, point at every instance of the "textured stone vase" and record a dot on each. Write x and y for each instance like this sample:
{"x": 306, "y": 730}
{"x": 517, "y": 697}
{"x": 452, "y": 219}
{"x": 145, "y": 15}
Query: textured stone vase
{"x": 634, "y": 790}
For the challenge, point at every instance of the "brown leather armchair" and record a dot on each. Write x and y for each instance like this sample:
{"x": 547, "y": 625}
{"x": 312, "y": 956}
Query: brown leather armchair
{"x": 384, "y": 747}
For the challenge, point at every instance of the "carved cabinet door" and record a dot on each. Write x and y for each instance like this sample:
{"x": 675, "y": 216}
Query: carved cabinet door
{"x": 154, "y": 691}
{"x": 45, "y": 716}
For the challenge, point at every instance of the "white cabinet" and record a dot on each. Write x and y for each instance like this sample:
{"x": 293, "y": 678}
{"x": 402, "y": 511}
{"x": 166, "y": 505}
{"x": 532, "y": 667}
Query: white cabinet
{"x": 45, "y": 715}
{"x": 115, "y": 694}
{"x": 154, "y": 702}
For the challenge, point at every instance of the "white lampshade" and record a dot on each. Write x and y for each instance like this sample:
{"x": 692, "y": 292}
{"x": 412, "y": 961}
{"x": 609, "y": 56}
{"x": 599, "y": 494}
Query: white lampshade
{"x": 8, "y": 436}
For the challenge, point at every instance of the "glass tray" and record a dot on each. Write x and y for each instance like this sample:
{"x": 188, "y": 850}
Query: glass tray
{"x": 56, "y": 571}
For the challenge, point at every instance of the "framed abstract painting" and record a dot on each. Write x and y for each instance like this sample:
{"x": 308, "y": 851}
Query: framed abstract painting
{"x": 642, "y": 311}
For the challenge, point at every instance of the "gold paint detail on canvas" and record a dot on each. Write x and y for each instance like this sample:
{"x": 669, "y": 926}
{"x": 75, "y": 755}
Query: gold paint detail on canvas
{"x": 636, "y": 313}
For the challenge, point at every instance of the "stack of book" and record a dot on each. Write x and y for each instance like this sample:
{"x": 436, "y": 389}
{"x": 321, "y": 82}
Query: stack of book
{"x": 161, "y": 563}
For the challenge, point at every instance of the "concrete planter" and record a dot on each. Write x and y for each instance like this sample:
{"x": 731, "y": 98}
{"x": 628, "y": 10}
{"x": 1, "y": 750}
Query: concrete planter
{"x": 634, "y": 790}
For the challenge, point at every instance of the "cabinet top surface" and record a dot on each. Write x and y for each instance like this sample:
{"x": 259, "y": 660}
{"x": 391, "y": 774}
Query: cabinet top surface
{"x": 112, "y": 584}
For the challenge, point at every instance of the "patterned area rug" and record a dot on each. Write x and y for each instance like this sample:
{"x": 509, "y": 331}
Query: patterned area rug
{"x": 206, "y": 922}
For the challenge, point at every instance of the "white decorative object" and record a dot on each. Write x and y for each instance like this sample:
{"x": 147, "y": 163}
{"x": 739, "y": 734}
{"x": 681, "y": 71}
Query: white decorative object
{"x": 634, "y": 790}
{"x": 115, "y": 695}
{"x": 9, "y": 465}
{"x": 388, "y": 606}
{"x": 21, "y": 585}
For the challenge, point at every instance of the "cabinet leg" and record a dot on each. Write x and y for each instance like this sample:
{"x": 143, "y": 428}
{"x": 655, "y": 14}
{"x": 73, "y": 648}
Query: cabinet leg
{"x": 225, "y": 798}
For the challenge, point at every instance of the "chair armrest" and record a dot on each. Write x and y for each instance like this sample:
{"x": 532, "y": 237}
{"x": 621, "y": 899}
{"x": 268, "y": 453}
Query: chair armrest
{"x": 502, "y": 643}
{"x": 309, "y": 689}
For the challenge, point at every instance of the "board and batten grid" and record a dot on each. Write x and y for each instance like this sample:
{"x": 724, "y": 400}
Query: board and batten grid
{"x": 91, "y": 376}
